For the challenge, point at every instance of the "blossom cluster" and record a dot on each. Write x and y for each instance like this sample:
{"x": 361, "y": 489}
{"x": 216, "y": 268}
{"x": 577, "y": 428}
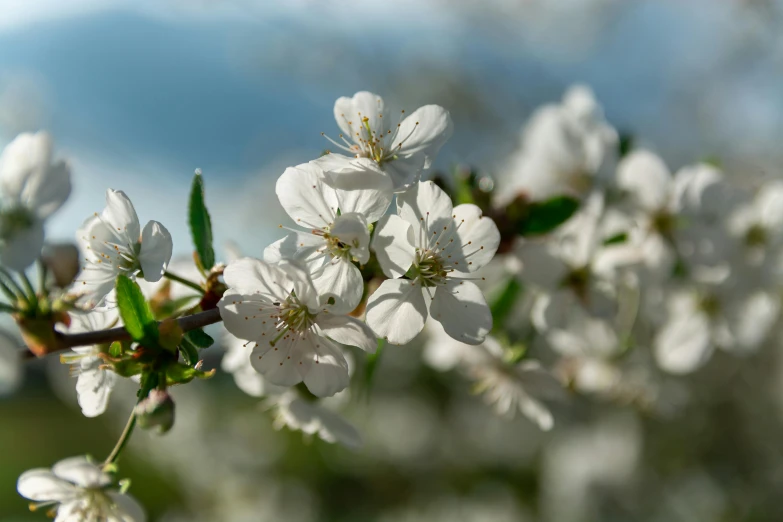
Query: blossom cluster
{"x": 603, "y": 271}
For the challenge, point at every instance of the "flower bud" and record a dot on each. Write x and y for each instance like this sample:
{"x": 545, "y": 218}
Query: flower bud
{"x": 156, "y": 411}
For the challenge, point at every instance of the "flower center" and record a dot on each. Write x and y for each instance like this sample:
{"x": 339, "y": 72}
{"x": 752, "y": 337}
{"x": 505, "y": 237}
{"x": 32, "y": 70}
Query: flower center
{"x": 429, "y": 268}
{"x": 293, "y": 316}
{"x": 379, "y": 144}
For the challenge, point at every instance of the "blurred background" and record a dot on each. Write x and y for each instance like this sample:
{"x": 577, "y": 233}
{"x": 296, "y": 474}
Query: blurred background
{"x": 139, "y": 94}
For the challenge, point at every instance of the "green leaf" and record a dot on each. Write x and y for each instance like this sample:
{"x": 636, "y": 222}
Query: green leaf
{"x": 189, "y": 352}
{"x": 115, "y": 349}
{"x": 201, "y": 223}
{"x": 177, "y": 373}
{"x": 616, "y": 239}
{"x": 135, "y": 312}
{"x": 199, "y": 338}
{"x": 543, "y": 217}
{"x": 504, "y": 304}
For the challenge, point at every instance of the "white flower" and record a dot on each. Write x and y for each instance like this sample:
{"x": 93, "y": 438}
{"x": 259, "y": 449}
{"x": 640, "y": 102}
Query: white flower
{"x": 400, "y": 149}
{"x": 701, "y": 319}
{"x": 236, "y": 361}
{"x": 565, "y": 149}
{"x": 278, "y": 308}
{"x": 33, "y": 188}
{"x": 676, "y": 216}
{"x": 78, "y": 491}
{"x": 114, "y": 244}
{"x": 438, "y": 246}
{"x": 311, "y": 418}
{"x": 507, "y": 387}
{"x": 337, "y": 222}
{"x": 95, "y": 382}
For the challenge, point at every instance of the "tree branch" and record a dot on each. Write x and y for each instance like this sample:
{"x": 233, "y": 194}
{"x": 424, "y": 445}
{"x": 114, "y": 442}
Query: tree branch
{"x": 189, "y": 322}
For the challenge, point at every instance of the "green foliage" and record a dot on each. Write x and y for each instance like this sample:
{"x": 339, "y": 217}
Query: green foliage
{"x": 177, "y": 373}
{"x": 542, "y": 217}
{"x": 201, "y": 224}
{"x": 504, "y": 303}
{"x": 199, "y": 338}
{"x": 372, "y": 364}
{"x": 616, "y": 239}
{"x": 135, "y": 312}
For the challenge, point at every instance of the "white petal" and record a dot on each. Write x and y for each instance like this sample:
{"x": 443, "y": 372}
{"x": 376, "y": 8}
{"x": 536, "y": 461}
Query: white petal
{"x": 127, "y": 508}
{"x": 249, "y": 276}
{"x": 305, "y": 197}
{"x": 769, "y": 202}
{"x": 298, "y": 246}
{"x": 27, "y": 176}
{"x": 302, "y": 284}
{"x": 285, "y": 363}
{"x": 121, "y": 217}
{"x": 156, "y": 247}
{"x": 646, "y": 176}
{"x": 683, "y": 345}
{"x": 460, "y": 307}
{"x": 397, "y": 310}
{"x": 82, "y": 472}
{"x": 340, "y": 281}
{"x": 349, "y": 173}
{"x": 753, "y": 318}
{"x": 248, "y": 316}
{"x": 22, "y": 248}
{"x": 94, "y": 386}
{"x": 347, "y": 330}
{"x": 334, "y": 428}
{"x": 393, "y": 245}
{"x": 427, "y": 208}
{"x": 477, "y": 239}
{"x": 405, "y": 171}
{"x": 371, "y": 199}
{"x": 350, "y": 113}
{"x": 351, "y": 229}
{"x": 424, "y": 132}
{"x": 41, "y": 485}
{"x": 329, "y": 372}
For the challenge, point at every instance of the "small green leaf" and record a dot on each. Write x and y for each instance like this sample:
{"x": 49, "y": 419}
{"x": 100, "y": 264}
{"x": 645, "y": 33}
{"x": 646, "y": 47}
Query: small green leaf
{"x": 115, "y": 349}
{"x": 199, "y": 338}
{"x": 543, "y": 217}
{"x": 177, "y": 373}
{"x": 201, "y": 223}
{"x": 503, "y": 305}
{"x": 616, "y": 239}
{"x": 135, "y": 312}
{"x": 189, "y": 352}
{"x": 372, "y": 364}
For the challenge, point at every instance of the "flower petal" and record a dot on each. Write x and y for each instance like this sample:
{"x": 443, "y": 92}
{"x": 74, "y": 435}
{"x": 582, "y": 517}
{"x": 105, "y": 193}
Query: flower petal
{"x": 82, "y": 472}
{"x": 424, "y": 132}
{"x": 284, "y": 363}
{"x": 309, "y": 201}
{"x": 647, "y": 178}
{"x": 298, "y": 246}
{"x": 329, "y": 372}
{"x": 477, "y": 239}
{"x": 120, "y": 217}
{"x": 428, "y": 208}
{"x": 253, "y": 276}
{"x": 251, "y": 317}
{"x": 350, "y": 114}
{"x": 41, "y": 485}
{"x": 350, "y": 173}
{"x": 393, "y": 245}
{"x": 683, "y": 345}
{"x": 397, "y": 310}
{"x": 348, "y": 330}
{"x": 340, "y": 283}
{"x": 126, "y": 508}
{"x": 352, "y": 230}
{"x": 460, "y": 307}
{"x": 156, "y": 247}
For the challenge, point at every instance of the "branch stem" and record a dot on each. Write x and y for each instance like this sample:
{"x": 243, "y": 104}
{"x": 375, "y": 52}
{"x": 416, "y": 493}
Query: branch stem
{"x": 187, "y": 323}
{"x": 124, "y": 438}
{"x": 183, "y": 281}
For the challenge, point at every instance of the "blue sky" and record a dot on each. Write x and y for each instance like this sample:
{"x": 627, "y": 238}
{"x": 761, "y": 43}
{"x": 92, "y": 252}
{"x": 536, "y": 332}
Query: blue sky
{"x": 137, "y": 95}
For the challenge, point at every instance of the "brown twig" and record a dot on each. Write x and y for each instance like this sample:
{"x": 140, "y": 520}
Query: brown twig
{"x": 189, "y": 322}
